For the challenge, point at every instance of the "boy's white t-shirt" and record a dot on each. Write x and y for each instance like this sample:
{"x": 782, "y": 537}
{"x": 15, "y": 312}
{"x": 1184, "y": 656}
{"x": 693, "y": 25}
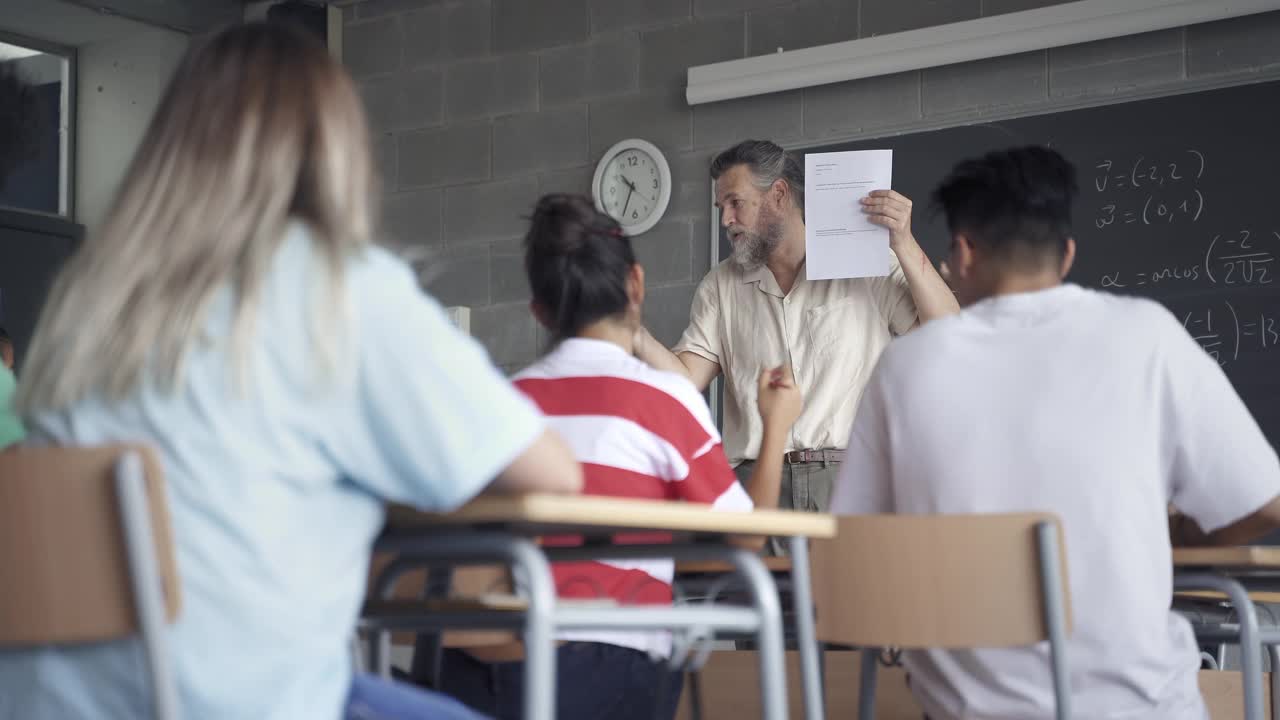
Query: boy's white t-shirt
{"x": 1101, "y": 409}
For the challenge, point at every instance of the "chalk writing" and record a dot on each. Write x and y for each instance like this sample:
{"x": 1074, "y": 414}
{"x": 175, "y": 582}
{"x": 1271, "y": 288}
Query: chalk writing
{"x": 1150, "y": 192}
{"x": 1242, "y": 257}
{"x": 1224, "y": 331}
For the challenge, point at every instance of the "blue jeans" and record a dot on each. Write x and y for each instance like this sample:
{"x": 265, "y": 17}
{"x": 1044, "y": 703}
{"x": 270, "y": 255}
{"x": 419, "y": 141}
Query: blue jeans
{"x": 594, "y": 681}
{"x": 373, "y": 698}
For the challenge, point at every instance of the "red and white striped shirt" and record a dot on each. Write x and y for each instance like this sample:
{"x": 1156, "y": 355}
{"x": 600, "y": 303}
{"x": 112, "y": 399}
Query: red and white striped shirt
{"x": 638, "y": 433}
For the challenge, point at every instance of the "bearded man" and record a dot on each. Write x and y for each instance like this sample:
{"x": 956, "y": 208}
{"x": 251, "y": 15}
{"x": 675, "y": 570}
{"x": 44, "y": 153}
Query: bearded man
{"x": 757, "y": 309}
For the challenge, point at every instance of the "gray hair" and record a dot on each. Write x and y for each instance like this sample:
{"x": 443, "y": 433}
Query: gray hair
{"x": 768, "y": 163}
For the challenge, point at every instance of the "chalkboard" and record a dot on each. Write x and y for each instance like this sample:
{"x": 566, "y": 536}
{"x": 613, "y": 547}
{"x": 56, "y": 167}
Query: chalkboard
{"x": 1179, "y": 201}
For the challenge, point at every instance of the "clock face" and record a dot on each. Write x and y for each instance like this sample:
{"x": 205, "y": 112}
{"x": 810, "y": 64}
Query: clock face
{"x": 631, "y": 187}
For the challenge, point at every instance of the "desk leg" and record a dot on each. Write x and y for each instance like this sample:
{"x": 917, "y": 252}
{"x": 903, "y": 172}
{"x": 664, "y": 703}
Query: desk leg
{"x": 773, "y": 668}
{"x": 528, "y": 562}
{"x": 806, "y": 635}
{"x": 428, "y": 646}
{"x": 1250, "y": 640}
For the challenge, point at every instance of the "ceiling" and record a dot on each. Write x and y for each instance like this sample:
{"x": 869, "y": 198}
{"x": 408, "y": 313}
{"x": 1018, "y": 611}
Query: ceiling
{"x": 188, "y": 16}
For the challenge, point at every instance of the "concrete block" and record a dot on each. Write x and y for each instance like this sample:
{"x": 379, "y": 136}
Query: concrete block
{"x": 525, "y": 25}
{"x": 533, "y": 142}
{"x": 843, "y": 109}
{"x": 413, "y": 217}
{"x": 507, "y": 279}
{"x": 982, "y": 84}
{"x": 799, "y": 26}
{"x": 451, "y": 31}
{"x": 702, "y": 8}
{"x": 999, "y": 7}
{"x": 372, "y": 47}
{"x": 404, "y": 100}
{"x": 572, "y": 180}
{"x": 496, "y": 86}
{"x": 667, "y": 54}
{"x": 1106, "y": 66}
{"x": 607, "y": 66}
{"x": 691, "y": 185}
{"x": 1239, "y": 44}
{"x": 488, "y": 211}
{"x": 663, "y": 119}
{"x": 507, "y": 332}
{"x": 385, "y": 149}
{"x": 509, "y": 246}
{"x": 458, "y": 275}
{"x": 666, "y": 311}
{"x": 607, "y": 15}
{"x": 424, "y": 35}
{"x": 445, "y": 156}
{"x": 468, "y": 29}
{"x": 881, "y": 17}
{"x": 777, "y": 116}
{"x": 377, "y": 8}
{"x": 666, "y": 253}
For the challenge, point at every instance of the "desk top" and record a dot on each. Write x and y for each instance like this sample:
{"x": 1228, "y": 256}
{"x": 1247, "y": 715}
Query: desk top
{"x": 1256, "y": 557}
{"x": 545, "y": 514}
{"x": 701, "y": 567}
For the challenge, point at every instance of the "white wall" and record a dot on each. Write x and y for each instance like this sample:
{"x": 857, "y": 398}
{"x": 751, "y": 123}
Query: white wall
{"x": 121, "y": 80}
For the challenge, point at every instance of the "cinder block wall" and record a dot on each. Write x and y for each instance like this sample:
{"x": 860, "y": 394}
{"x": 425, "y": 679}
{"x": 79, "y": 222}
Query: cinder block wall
{"x": 479, "y": 106}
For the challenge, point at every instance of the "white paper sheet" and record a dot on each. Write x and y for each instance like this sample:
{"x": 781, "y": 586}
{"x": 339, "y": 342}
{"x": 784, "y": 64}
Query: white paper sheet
{"x": 839, "y": 241}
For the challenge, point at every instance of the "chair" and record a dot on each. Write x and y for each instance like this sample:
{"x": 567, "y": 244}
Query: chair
{"x": 943, "y": 581}
{"x": 86, "y": 554}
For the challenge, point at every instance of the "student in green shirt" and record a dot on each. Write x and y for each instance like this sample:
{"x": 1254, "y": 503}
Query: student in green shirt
{"x": 10, "y": 427}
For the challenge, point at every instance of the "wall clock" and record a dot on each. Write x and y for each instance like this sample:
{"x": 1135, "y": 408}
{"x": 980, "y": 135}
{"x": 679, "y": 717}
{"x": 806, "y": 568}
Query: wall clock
{"x": 633, "y": 184}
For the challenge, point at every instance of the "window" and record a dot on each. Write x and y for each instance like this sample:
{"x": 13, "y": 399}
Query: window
{"x": 36, "y": 98}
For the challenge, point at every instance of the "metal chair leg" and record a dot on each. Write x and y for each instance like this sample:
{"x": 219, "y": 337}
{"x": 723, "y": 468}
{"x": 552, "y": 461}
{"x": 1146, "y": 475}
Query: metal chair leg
{"x": 867, "y": 684}
{"x": 1250, "y": 648}
{"x": 806, "y": 634}
{"x": 764, "y": 595}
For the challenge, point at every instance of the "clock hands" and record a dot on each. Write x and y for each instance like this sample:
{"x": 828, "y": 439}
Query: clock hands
{"x": 628, "y": 203}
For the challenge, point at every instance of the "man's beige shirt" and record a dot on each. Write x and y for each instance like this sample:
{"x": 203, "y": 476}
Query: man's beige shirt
{"x": 830, "y": 331}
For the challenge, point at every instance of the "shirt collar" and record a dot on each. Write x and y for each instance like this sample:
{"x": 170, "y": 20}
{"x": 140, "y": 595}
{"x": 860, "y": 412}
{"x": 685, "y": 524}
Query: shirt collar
{"x": 768, "y": 284}
{"x": 590, "y": 346}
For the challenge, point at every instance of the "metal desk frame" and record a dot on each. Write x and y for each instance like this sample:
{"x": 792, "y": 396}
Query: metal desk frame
{"x": 445, "y": 547}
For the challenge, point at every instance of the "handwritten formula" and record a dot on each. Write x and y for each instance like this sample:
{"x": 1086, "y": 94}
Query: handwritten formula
{"x": 1225, "y": 330}
{"x": 1236, "y": 258}
{"x": 1150, "y": 191}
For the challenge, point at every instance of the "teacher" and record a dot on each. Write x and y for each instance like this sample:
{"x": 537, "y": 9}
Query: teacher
{"x": 757, "y": 309}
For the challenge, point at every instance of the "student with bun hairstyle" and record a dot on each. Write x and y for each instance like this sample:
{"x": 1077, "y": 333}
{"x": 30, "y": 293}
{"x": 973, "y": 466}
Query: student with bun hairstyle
{"x": 638, "y": 433}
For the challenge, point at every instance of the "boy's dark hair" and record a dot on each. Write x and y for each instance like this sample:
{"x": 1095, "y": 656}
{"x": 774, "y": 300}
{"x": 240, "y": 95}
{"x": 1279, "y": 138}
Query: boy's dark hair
{"x": 577, "y": 259}
{"x": 1014, "y": 203}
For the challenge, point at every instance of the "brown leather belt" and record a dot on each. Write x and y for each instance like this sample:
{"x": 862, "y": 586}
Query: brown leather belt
{"x": 795, "y": 457}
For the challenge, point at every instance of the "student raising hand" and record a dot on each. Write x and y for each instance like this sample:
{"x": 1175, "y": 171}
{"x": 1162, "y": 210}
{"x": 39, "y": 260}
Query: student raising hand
{"x": 778, "y": 398}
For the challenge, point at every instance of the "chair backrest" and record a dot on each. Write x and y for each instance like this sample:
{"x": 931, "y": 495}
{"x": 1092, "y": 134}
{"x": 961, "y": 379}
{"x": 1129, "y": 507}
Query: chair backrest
{"x": 934, "y": 581}
{"x": 64, "y": 562}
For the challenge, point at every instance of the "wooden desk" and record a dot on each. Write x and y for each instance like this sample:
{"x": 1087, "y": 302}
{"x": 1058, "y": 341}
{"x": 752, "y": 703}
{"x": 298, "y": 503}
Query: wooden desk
{"x": 704, "y": 567}
{"x": 1256, "y": 557}
{"x": 544, "y": 514}
{"x": 698, "y": 535}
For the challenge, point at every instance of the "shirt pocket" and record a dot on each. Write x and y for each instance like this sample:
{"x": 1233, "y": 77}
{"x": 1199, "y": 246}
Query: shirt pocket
{"x": 835, "y": 325}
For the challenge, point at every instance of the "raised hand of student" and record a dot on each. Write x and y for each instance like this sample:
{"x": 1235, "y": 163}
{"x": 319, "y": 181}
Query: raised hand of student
{"x": 778, "y": 398}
